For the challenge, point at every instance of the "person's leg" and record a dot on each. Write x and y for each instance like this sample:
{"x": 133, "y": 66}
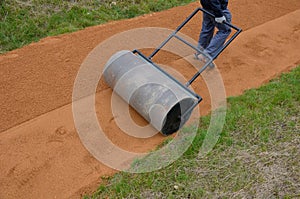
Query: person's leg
{"x": 219, "y": 39}
{"x": 207, "y": 31}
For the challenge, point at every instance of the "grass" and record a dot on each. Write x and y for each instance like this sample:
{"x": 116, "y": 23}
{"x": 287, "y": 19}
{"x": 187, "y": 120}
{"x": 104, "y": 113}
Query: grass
{"x": 257, "y": 155}
{"x": 23, "y": 22}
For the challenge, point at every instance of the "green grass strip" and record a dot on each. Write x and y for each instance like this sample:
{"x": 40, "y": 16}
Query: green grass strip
{"x": 23, "y": 22}
{"x": 257, "y": 155}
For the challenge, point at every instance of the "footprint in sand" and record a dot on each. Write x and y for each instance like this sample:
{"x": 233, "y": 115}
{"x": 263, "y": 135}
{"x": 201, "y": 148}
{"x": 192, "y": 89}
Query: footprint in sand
{"x": 59, "y": 134}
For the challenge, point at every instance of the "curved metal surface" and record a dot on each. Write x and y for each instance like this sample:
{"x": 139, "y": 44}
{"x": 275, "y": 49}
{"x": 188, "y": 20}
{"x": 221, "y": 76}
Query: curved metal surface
{"x": 154, "y": 95}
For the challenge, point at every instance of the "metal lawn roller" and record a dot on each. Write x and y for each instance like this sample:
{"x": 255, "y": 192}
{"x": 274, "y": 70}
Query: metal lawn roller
{"x": 161, "y": 99}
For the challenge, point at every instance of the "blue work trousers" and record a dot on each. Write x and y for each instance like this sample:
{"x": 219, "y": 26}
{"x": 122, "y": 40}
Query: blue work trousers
{"x": 207, "y": 40}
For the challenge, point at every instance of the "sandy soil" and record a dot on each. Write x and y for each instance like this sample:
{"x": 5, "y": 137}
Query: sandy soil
{"x": 41, "y": 155}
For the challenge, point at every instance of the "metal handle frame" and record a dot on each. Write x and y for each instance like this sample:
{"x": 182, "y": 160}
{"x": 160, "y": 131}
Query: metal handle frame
{"x": 174, "y": 34}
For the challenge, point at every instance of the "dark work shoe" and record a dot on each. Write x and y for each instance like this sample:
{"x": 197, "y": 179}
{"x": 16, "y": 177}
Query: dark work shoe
{"x": 196, "y": 56}
{"x": 203, "y": 59}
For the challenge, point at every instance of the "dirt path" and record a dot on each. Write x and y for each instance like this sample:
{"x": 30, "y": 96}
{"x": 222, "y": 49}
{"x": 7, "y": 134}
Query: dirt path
{"x": 43, "y": 157}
